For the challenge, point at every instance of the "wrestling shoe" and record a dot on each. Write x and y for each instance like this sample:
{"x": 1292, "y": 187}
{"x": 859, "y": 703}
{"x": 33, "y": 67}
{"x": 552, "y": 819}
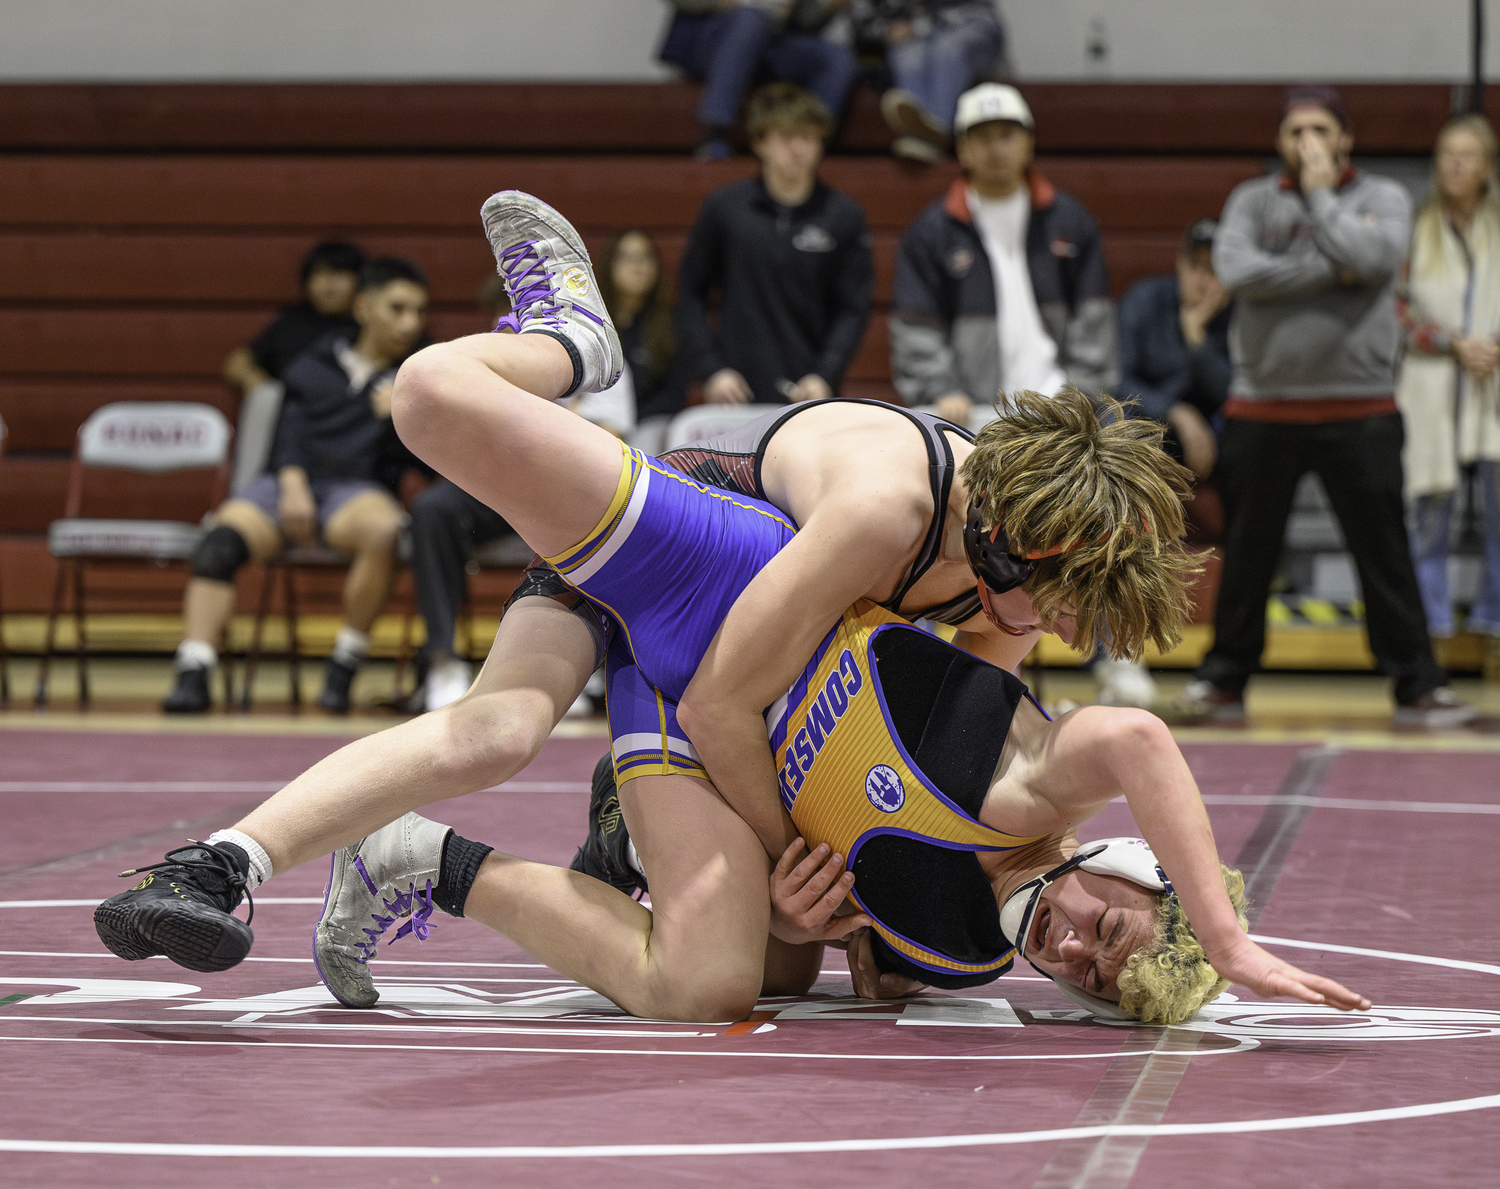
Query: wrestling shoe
{"x": 550, "y": 280}
{"x": 372, "y": 884}
{"x": 182, "y": 909}
{"x": 605, "y": 852}
{"x": 337, "y": 679}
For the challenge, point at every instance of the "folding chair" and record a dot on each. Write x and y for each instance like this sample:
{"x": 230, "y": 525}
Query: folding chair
{"x": 148, "y": 438}
{"x": 707, "y": 421}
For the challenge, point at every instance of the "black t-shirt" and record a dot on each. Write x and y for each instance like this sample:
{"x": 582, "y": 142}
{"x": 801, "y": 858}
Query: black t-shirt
{"x": 292, "y": 332}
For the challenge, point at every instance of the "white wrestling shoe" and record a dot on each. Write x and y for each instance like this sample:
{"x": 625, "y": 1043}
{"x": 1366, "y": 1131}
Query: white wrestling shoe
{"x": 550, "y": 280}
{"x": 381, "y": 878}
{"x": 1124, "y": 683}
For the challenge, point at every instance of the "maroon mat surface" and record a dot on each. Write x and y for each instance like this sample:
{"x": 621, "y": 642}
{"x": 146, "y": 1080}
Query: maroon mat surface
{"x": 480, "y": 1067}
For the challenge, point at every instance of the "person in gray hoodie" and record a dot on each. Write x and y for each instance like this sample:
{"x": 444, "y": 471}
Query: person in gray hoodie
{"x": 1312, "y": 256}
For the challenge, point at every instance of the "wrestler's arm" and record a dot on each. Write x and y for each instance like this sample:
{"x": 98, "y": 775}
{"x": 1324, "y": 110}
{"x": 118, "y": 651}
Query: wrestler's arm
{"x": 776, "y": 624}
{"x": 1132, "y": 753}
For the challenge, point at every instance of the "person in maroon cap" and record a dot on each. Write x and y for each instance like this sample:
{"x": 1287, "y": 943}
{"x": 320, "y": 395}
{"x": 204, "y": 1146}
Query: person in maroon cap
{"x": 1312, "y": 256}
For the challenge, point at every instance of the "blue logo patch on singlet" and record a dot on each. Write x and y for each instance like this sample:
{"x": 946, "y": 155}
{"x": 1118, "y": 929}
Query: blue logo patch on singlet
{"x": 884, "y": 788}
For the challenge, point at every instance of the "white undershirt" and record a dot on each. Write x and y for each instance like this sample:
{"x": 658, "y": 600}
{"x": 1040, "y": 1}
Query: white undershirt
{"x": 1028, "y": 356}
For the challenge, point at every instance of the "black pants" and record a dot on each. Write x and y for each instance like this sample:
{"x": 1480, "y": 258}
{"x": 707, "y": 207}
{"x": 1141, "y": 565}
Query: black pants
{"x": 1359, "y": 463}
{"x": 447, "y": 524}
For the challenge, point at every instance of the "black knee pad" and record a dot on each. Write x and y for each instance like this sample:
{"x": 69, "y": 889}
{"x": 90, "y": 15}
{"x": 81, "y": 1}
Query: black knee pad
{"x": 220, "y": 554}
{"x": 541, "y": 580}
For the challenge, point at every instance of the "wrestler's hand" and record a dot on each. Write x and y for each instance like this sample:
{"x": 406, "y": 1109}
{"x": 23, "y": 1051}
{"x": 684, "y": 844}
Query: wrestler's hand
{"x": 806, "y": 895}
{"x": 1268, "y": 976}
{"x": 869, "y": 981}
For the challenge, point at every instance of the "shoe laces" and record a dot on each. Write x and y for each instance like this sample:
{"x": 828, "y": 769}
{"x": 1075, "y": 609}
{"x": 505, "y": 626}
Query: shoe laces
{"x": 533, "y": 291}
{"x": 206, "y": 857}
{"x": 401, "y": 904}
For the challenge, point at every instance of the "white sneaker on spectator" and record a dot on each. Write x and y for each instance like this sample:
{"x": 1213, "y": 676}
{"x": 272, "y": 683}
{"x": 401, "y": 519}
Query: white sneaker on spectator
{"x": 551, "y": 283}
{"x": 447, "y": 681}
{"x": 1124, "y": 683}
{"x": 1435, "y": 710}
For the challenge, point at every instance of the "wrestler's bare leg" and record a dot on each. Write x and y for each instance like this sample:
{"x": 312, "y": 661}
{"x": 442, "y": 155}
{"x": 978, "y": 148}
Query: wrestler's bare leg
{"x": 542, "y": 656}
{"x": 698, "y": 954}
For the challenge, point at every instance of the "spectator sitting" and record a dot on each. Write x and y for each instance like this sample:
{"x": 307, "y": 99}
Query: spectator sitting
{"x": 1449, "y": 385}
{"x": 936, "y": 50}
{"x": 1174, "y": 349}
{"x": 1311, "y": 257}
{"x": 330, "y": 277}
{"x": 1000, "y": 284}
{"x": 729, "y": 44}
{"x": 334, "y": 464}
{"x": 790, "y": 257}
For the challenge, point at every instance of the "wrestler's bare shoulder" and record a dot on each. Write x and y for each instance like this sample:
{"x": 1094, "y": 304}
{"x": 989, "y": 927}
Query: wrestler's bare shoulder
{"x": 858, "y": 452}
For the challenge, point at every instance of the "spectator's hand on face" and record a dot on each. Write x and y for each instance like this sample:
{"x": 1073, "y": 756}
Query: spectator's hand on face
{"x": 380, "y": 399}
{"x": 1200, "y": 307}
{"x": 898, "y": 31}
{"x": 955, "y": 407}
{"x": 1478, "y": 357}
{"x": 1319, "y": 168}
{"x": 1200, "y": 449}
{"x": 727, "y": 387}
{"x": 811, "y": 387}
{"x": 295, "y": 507}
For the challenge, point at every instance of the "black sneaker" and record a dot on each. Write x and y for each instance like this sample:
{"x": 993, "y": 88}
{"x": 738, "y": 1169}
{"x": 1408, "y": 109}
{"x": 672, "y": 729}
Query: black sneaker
{"x": 603, "y": 853}
{"x": 190, "y": 694}
{"x": 181, "y": 909}
{"x": 336, "y": 681}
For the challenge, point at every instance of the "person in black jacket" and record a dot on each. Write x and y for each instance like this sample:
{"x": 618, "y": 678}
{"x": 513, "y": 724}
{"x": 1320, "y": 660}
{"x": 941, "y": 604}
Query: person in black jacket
{"x": 790, "y": 258}
{"x": 334, "y": 468}
{"x": 1000, "y": 284}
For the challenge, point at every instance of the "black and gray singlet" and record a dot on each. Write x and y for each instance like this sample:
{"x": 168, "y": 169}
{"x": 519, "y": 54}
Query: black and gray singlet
{"x": 733, "y": 461}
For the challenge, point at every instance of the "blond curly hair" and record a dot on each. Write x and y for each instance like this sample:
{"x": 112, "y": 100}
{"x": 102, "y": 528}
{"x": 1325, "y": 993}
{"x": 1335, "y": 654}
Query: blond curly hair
{"x": 1169, "y": 980}
{"x": 1067, "y": 472}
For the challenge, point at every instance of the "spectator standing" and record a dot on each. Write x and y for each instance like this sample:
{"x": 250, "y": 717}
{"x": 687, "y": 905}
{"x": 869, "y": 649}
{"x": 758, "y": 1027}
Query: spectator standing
{"x": 936, "y": 50}
{"x": 1311, "y": 257}
{"x": 730, "y": 44}
{"x": 790, "y": 259}
{"x": 1000, "y": 284}
{"x": 335, "y": 463}
{"x": 1174, "y": 350}
{"x": 1449, "y": 385}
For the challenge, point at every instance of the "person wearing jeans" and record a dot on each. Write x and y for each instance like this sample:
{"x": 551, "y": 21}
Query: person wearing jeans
{"x": 730, "y": 44}
{"x": 1449, "y": 385}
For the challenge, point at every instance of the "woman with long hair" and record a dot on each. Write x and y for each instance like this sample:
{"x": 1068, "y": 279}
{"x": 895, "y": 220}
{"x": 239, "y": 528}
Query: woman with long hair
{"x": 1449, "y": 386}
{"x": 634, "y": 286}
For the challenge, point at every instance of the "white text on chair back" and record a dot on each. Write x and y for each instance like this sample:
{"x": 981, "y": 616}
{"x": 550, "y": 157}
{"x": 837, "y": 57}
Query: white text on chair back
{"x": 154, "y": 436}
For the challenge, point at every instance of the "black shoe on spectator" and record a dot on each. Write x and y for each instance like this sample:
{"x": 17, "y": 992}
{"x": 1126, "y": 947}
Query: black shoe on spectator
{"x": 605, "y": 852}
{"x": 336, "y": 681}
{"x": 190, "y": 694}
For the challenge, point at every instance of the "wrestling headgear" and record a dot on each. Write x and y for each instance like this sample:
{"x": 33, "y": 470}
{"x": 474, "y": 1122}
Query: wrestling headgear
{"x": 1128, "y": 858}
{"x": 996, "y": 567}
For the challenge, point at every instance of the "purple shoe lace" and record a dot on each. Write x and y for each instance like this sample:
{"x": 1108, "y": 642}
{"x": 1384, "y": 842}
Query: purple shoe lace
{"x": 403, "y": 904}
{"x": 533, "y": 292}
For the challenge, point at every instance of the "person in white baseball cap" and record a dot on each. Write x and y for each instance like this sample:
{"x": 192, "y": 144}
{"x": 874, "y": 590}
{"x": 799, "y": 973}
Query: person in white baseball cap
{"x": 991, "y": 101}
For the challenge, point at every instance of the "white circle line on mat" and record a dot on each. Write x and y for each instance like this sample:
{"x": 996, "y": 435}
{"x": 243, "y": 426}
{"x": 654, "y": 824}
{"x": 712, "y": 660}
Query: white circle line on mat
{"x": 893, "y": 1144}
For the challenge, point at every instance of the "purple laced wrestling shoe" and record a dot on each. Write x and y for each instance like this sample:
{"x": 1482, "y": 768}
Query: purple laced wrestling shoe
{"x": 550, "y": 279}
{"x": 381, "y": 879}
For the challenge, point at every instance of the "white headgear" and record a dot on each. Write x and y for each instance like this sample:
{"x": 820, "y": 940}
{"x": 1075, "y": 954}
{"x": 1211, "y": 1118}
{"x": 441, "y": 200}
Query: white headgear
{"x": 1128, "y": 858}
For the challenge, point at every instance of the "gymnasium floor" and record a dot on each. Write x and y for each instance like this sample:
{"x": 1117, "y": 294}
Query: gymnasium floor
{"x": 1370, "y": 857}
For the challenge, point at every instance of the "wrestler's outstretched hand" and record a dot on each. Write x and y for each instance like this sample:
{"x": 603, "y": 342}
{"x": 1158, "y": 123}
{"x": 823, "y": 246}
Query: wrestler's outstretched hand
{"x": 869, "y": 981}
{"x": 806, "y": 895}
{"x": 1268, "y": 976}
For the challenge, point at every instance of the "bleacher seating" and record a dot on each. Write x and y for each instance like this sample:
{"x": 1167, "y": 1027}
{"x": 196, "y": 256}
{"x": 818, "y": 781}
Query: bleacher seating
{"x": 144, "y": 231}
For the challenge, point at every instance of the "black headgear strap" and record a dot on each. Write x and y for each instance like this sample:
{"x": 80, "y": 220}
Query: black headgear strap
{"x": 997, "y": 568}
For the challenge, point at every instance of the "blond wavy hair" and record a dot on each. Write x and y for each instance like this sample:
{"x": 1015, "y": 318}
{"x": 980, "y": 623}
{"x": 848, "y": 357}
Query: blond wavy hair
{"x": 1169, "y": 980}
{"x": 1068, "y": 472}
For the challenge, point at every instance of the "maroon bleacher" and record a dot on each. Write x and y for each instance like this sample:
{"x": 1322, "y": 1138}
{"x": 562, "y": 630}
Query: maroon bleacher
{"x": 144, "y": 231}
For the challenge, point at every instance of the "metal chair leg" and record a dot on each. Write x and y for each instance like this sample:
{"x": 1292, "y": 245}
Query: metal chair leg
{"x": 44, "y": 670}
{"x": 252, "y": 657}
{"x": 81, "y": 643}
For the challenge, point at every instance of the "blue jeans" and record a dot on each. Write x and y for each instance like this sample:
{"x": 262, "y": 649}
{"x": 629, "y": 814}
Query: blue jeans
{"x": 1432, "y": 522}
{"x": 730, "y": 50}
{"x": 940, "y": 67}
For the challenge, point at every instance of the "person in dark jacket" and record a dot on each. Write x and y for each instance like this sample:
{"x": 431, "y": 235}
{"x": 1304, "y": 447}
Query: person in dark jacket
{"x": 790, "y": 259}
{"x": 335, "y": 463}
{"x": 1174, "y": 350}
{"x": 1000, "y": 284}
